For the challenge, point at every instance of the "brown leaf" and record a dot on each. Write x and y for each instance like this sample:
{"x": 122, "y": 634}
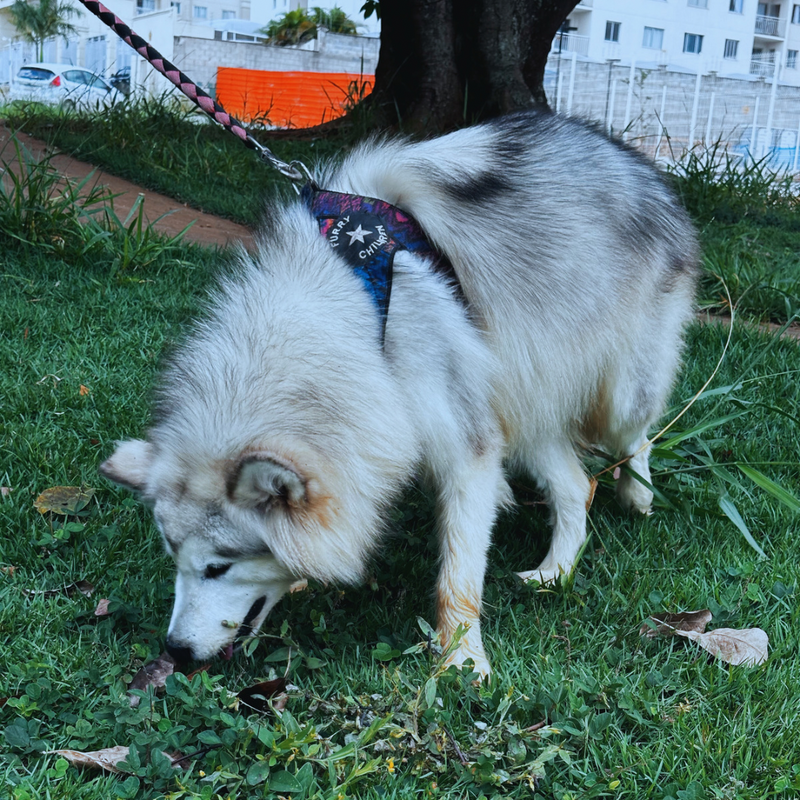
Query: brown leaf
{"x": 592, "y": 490}
{"x": 749, "y": 646}
{"x": 664, "y": 624}
{"x": 8, "y": 571}
{"x": 203, "y": 668}
{"x": 5, "y": 491}
{"x": 155, "y": 673}
{"x": 102, "y": 608}
{"x": 63, "y": 500}
{"x": 84, "y": 587}
{"x": 259, "y": 695}
{"x": 84, "y": 390}
{"x": 107, "y": 759}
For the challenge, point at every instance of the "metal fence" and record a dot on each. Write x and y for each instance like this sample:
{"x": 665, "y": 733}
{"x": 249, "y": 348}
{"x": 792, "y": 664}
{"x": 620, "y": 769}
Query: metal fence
{"x": 666, "y": 112}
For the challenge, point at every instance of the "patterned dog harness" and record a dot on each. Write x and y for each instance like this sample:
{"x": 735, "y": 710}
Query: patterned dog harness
{"x": 367, "y": 233}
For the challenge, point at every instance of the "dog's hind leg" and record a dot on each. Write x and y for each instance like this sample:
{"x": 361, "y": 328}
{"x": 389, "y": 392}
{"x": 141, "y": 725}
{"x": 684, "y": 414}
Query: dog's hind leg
{"x": 468, "y": 501}
{"x": 632, "y": 493}
{"x": 556, "y": 468}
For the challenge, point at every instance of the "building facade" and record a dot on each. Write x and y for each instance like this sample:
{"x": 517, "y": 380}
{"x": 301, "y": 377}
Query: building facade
{"x": 734, "y": 38}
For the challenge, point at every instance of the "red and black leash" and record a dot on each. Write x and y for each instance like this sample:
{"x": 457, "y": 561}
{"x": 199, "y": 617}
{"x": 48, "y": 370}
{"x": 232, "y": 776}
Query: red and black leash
{"x": 204, "y": 101}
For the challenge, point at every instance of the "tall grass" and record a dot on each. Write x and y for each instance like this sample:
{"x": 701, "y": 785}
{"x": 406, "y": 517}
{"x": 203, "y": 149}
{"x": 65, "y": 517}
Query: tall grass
{"x": 161, "y": 144}
{"x": 74, "y": 220}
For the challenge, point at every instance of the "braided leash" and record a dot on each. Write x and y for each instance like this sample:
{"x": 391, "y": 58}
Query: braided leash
{"x": 204, "y": 101}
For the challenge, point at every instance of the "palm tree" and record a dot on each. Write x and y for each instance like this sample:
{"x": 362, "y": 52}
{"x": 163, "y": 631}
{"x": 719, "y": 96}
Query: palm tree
{"x": 298, "y": 26}
{"x": 42, "y": 21}
{"x": 335, "y": 20}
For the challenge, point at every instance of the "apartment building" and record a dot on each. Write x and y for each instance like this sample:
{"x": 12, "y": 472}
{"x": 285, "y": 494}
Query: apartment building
{"x": 734, "y": 38}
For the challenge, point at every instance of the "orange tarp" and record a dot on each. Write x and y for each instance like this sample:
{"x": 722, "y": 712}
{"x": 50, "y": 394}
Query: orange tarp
{"x": 289, "y": 99}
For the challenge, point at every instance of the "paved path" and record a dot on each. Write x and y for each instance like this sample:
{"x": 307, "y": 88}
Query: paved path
{"x": 207, "y": 229}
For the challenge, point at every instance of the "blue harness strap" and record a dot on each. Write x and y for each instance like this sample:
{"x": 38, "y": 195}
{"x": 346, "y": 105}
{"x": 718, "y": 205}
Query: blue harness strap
{"x": 367, "y": 233}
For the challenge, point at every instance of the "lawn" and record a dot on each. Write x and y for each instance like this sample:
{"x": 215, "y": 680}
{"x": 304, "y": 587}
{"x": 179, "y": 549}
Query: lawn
{"x": 580, "y": 705}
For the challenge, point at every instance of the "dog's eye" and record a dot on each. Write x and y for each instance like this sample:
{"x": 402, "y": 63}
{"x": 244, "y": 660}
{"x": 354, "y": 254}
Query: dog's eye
{"x": 216, "y": 570}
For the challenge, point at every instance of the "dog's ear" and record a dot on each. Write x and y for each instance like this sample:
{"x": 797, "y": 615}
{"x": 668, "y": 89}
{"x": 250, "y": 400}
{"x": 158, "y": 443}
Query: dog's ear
{"x": 261, "y": 479}
{"x": 129, "y": 464}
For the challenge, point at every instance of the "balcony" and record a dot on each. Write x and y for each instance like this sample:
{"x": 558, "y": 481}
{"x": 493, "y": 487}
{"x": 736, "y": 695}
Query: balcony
{"x": 772, "y": 27}
{"x": 570, "y": 43}
{"x": 762, "y": 64}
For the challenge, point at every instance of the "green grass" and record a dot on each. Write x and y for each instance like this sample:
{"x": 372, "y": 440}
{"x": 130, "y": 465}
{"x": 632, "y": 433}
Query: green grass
{"x": 748, "y": 216}
{"x": 159, "y": 144}
{"x": 624, "y": 718}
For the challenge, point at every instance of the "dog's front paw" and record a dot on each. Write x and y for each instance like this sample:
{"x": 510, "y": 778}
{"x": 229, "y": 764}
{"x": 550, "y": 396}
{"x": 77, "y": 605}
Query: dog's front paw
{"x": 546, "y": 574}
{"x": 470, "y": 648}
{"x": 461, "y": 655}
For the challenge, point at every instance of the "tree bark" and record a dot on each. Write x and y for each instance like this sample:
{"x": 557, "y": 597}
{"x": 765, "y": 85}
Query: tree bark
{"x": 444, "y": 64}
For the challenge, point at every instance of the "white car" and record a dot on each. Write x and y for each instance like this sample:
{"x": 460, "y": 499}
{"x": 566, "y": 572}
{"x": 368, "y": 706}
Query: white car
{"x": 62, "y": 84}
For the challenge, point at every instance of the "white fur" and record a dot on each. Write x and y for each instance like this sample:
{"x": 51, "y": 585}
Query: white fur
{"x": 578, "y": 268}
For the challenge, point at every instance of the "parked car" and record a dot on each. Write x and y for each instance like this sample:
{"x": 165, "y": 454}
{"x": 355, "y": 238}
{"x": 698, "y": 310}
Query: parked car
{"x": 121, "y": 80}
{"x": 62, "y": 84}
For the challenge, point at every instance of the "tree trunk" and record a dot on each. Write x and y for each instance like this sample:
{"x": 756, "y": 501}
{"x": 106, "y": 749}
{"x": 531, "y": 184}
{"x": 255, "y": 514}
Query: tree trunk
{"x": 444, "y": 64}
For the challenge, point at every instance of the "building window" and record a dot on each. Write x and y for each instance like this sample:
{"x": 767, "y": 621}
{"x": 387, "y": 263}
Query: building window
{"x": 176, "y": 6}
{"x": 731, "y": 48}
{"x": 791, "y": 59}
{"x": 796, "y": 14}
{"x": 699, "y": 3}
{"x": 145, "y": 6}
{"x": 200, "y": 12}
{"x": 692, "y": 43}
{"x": 228, "y": 15}
{"x": 653, "y": 38}
{"x": 612, "y": 31}
{"x": 736, "y": 6}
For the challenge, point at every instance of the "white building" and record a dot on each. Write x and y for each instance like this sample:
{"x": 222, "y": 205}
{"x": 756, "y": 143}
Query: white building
{"x": 735, "y": 38}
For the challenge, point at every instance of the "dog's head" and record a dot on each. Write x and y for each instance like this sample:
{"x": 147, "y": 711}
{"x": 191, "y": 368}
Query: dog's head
{"x": 240, "y": 531}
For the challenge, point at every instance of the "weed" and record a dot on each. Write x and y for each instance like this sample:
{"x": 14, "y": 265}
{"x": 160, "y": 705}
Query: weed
{"x": 75, "y": 220}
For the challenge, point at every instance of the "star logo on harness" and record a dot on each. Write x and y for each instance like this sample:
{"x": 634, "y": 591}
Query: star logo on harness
{"x": 358, "y": 234}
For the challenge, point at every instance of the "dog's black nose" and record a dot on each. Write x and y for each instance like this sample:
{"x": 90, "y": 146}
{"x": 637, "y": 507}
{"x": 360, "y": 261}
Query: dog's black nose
{"x": 182, "y": 655}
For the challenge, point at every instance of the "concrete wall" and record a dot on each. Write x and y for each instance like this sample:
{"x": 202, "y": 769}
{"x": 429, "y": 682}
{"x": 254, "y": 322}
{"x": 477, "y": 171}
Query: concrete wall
{"x": 199, "y": 58}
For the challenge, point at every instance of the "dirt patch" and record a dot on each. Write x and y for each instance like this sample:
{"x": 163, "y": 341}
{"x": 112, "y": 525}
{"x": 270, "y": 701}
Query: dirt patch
{"x": 206, "y": 229}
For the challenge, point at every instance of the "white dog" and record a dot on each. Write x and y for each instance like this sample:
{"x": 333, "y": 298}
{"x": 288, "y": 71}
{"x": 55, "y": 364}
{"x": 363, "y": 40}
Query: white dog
{"x": 299, "y": 406}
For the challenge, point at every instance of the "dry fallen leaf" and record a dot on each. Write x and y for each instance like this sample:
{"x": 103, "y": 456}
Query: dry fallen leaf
{"x": 8, "y": 571}
{"x": 749, "y": 646}
{"x": 102, "y": 608}
{"x": 663, "y": 624}
{"x": 64, "y": 500}
{"x": 84, "y": 587}
{"x": 97, "y": 759}
{"x": 259, "y": 695}
{"x": 155, "y": 673}
{"x": 106, "y": 759}
{"x": 84, "y": 390}
{"x": 592, "y": 490}
{"x": 5, "y": 491}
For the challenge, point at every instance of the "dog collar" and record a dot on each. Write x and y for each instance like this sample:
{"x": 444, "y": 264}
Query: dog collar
{"x": 367, "y": 233}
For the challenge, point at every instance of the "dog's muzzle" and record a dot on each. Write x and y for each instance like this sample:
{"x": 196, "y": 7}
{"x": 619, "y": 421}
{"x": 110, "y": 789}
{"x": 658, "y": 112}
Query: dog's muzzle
{"x": 183, "y": 655}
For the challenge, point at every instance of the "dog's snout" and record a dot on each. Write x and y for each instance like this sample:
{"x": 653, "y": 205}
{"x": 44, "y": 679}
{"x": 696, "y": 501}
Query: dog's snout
{"x": 181, "y": 654}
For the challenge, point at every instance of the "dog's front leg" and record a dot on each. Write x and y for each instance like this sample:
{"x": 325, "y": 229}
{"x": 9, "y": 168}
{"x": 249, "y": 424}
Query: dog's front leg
{"x": 468, "y": 502}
